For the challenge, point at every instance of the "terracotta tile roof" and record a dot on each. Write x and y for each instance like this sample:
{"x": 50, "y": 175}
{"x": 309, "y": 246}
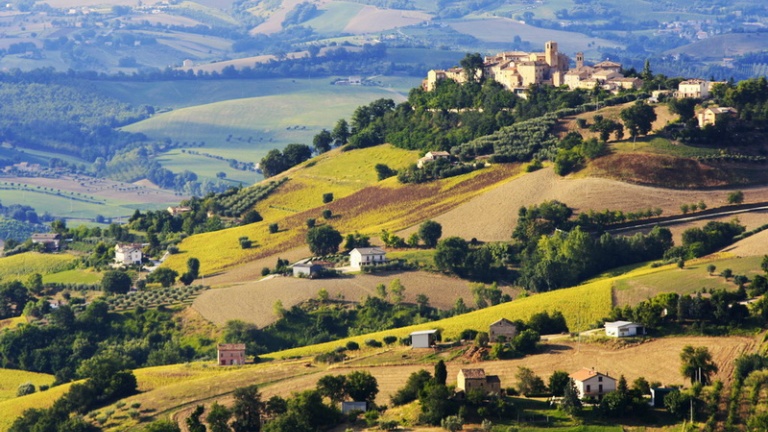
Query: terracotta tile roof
{"x": 473, "y": 373}
{"x": 586, "y": 374}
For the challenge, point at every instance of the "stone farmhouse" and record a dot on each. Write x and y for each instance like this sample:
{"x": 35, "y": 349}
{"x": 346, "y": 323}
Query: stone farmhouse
{"x": 502, "y": 328}
{"x": 591, "y": 383}
{"x": 712, "y": 115}
{"x": 231, "y": 354}
{"x": 515, "y": 70}
{"x": 476, "y": 379}
{"x": 50, "y": 241}
{"x": 128, "y": 254}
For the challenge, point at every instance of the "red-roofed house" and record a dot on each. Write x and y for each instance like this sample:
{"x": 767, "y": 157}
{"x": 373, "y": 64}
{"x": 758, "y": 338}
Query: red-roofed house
{"x": 591, "y": 383}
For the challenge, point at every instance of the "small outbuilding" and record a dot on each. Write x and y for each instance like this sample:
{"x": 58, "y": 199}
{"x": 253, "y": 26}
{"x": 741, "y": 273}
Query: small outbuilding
{"x": 231, "y": 354}
{"x": 308, "y": 269}
{"x": 502, "y": 329}
{"x": 360, "y": 257}
{"x": 624, "y": 329}
{"x": 347, "y": 407}
{"x": 423, "y": 338}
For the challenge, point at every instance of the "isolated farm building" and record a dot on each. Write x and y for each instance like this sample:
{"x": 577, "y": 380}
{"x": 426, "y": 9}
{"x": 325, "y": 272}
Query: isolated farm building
{"x": 178, "y": 210}
{"x": 231, "y": 354}
{"x": 308, "y": 268}
{"x": 128, "y": 254}
{"x": 348, "y": 407}
{"x": 624, "y": 329}
{"x": 423, "y": 338}
{"x": 476, "y": 379}
{"x": 712, "y": 115}
{"x": 693, "y": 88}
{"x": 360, "y": 257}
{"x": 502, "y": 328}
{"x": 431, "y": 157}
{"x": 591, "y": 383}
{"x": 50, "y": 241}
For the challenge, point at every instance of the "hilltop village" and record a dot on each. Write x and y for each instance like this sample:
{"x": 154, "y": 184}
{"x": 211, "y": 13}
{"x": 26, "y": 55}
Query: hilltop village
{"x": 517, "y": 71}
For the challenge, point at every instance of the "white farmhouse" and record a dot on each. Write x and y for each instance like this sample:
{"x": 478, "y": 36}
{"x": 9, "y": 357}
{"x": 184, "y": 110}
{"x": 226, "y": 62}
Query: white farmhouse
{"x": 623, "y": 329}
{"x": 360, "y": 257}
{"x": 591, "y": 383}
{"x": 128, "y": 254}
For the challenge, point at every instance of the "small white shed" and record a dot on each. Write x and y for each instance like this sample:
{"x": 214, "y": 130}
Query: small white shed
{"x": 423, "y": 338}
{"x": 624, "y": 329}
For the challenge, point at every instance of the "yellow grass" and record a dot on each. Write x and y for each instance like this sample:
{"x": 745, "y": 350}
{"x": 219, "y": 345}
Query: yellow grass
{"x": 361, "y": 203}
{"x": 10, "y": 379}
{"x": 581, "y": 306}
{"x": 12, "y": 323}
{"x": 11, "y": 409}
{"x": 20, "y": 266}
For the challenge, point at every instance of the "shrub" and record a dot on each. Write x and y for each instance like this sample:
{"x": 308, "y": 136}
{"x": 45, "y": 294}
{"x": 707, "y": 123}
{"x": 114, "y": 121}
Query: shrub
{"x": 389, "y": 340}
{"x": 273, "y": 228}
{"x": 245, "y": 242}
{"x": 373, "y": 343}
{"x": 353, "y": 346}
{"x": 327, "y": 197}
{"x": 25, "y": 389}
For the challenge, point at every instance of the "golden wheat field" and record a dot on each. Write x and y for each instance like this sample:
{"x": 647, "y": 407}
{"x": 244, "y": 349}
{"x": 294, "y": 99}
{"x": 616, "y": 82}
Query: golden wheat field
{"x": 10, "y": 379}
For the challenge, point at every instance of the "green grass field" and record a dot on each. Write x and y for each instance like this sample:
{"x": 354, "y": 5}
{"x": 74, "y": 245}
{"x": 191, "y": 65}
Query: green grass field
{"x": 64, "y": 207}
{"x": 334, "y": 17}
{"x": 19, "y": 267}
{"x": 10, "y": 379}
{"x": 246, "y": 129}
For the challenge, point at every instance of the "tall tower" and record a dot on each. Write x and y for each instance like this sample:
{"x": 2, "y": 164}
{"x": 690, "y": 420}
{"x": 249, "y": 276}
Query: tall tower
{"x": 579, "y": 60}
{"x": 550, "y": 54}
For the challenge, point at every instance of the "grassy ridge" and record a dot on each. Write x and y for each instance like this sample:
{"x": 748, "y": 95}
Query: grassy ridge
{"x": 10, "y": 379}
{"x": 22, "y": 265}
{"x": 359, "y": 205}
{"x": 581, "y": 306}
{"x": 12, "y": 408}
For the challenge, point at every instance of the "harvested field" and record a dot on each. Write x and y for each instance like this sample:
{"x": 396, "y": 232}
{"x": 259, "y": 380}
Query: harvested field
{"x": 493, "y": 215}
{"x": 255, "y": 299}
{"x": 127, "y": 192}
{"x": 372, "y": 19}
{"x": 751, "y": 246}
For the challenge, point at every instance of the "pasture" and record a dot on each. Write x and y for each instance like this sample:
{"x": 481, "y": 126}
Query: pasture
{"x": 10, "y": 379}
{"x": 19, "y": 267}
{"x": 504, "y": 30}
{"x": 246, "y": 128}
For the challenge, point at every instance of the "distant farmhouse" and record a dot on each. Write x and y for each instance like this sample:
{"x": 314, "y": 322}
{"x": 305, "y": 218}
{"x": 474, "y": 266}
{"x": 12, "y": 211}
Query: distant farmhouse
{"x": 128, "y": 254}
{"x": 517, "y": 70}
{"x": 591, "y": 383}
{"x": 231, "y": 354}
{"x": 431, "y": 157}
{"x": 360, "y": 257}
{"x": 51, "y": 241}
{"x": 502, "y": 329}
{"x": 476, "y": 379}
{"x": 178, "y": 210}
{"x": 713, "y": 115}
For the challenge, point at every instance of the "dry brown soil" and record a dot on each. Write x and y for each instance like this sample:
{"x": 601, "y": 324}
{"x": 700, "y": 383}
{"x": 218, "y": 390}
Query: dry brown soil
{"x": 493, "y": 215}
{"x": 254, "y": 300}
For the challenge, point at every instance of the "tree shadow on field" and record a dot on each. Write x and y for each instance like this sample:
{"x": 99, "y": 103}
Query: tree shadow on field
{"x": 556, "y": 348}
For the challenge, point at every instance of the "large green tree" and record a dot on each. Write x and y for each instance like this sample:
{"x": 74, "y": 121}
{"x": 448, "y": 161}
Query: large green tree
{"x": 361, "y": 386}
{"x": 116, "y": 282}
{"x": 323, "y": 240}
{"x": 247, "y": 409}
{"x": 164, "y": 276}
{"x": 451, "y": 254}
{"x": 638, "y": 118}
{"x": 218, "y": 418}
{"x": 697, "y": 364}
{"x": 430, "y": 232}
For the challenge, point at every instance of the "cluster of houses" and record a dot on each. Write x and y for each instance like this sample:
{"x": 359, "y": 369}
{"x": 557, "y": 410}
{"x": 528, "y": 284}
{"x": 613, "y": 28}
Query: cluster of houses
{"x": 517, "y": 70}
